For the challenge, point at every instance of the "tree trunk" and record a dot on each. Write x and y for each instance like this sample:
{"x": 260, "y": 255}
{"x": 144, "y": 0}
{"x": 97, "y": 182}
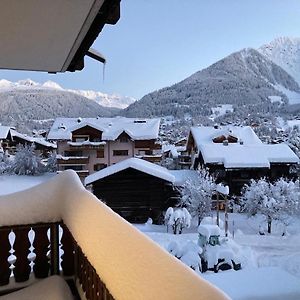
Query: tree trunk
{"x": 269, "y": 224}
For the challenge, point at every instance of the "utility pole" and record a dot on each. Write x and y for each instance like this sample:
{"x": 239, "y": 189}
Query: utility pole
{"x": 218, "y": 209}
{"x": 226, "y": 216}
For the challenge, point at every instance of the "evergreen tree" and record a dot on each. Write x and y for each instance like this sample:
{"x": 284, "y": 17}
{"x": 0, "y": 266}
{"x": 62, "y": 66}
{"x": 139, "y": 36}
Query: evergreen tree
{"x": 26, "y": 162}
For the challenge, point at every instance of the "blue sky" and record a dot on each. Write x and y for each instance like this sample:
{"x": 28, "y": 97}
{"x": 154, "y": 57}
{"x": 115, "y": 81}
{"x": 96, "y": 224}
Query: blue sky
{"x": 159, "y": 42}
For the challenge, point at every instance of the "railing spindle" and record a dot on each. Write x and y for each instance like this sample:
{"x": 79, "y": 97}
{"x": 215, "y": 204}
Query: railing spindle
{"x": 68, "y": 246}
{"x": 4, "y": 254}
{"x": 54, "y": 248}
{"x": 41, "y": 245}
{"x": 21, "y": 246}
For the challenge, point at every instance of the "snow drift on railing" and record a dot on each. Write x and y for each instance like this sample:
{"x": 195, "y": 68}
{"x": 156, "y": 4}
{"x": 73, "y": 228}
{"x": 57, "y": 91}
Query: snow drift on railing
{"x": 130, "y": 264}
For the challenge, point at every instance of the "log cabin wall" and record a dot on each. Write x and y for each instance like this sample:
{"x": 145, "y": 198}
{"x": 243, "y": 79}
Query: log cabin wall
{"x": 237, "y": 178}
{"x": 135, "y": 195}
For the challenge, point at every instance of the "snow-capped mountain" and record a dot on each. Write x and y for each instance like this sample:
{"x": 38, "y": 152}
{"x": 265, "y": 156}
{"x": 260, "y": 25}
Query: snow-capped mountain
{"x": 28, "y": 105}
{"x": 285, "y": 52}
{"x": 247, "y": 80}
{"x": 106, "y": 100}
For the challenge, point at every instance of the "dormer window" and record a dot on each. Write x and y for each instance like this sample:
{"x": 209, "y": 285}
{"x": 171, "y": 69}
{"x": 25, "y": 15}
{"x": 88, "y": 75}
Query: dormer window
{"x": 123, "y": 139}
{"x": 80, "y": 138}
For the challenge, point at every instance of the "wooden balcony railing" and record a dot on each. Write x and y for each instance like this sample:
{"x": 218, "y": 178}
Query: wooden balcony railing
{"x": 38, "y": 254}
{"x": 73, "y": 160}
{"x": 61, "y": 228}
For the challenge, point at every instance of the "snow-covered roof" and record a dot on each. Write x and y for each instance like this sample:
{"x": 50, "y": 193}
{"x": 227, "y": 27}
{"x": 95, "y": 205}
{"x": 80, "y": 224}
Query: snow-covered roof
{"x": 137, "y": 129}
{"x": 134, "y": 163}
{"x": 175, "y": 150}
{"x": 209, "y": 230}
{"x": 248, "y": 152}
{"x": 30, "y": 139}
{"x": 181, "y": 176}
{"x": 4, "y": 130}
{"x": 205, "y": 134}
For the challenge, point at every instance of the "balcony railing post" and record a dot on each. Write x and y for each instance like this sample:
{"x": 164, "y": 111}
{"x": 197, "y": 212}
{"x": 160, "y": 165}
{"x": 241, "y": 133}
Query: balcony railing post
{"x": 54, "y": 248}
{"x": 4, "y": 254}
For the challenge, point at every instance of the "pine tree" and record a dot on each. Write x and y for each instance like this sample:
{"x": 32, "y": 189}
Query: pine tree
{"x": 26, "y": 162}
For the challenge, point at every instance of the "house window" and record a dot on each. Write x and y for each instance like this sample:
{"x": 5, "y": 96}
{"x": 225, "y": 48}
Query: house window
{"x": 100, "y": 153}
{"x": 98, "y": 167}
{"x": 123, "y": 139}
{"x": 120, "y": 152}
{"x": 80, "y": 138}
{"x": 145, "y": 152}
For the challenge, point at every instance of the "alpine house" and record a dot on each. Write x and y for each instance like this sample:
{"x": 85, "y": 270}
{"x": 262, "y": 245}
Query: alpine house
{"x": 87, "y": 145}
{"x": 235, "y": 155}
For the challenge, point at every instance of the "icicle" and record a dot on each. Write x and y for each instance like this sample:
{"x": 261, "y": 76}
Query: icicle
{"x": 103, "y": 71}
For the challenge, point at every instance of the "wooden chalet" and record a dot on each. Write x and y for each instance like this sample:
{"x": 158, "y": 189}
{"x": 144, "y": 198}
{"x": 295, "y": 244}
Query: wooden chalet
{"x": 235, "y": 155}
{"x": 135, "y": 189}
{"x": 88, "y": 145}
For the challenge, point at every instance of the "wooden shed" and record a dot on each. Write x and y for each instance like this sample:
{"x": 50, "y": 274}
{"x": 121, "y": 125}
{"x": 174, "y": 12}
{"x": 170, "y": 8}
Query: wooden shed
{"x": 135, "y": 189}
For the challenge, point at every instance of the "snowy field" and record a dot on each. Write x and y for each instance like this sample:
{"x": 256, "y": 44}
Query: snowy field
{"x": 270, "y": 263}
{"x": 14, "y": 183}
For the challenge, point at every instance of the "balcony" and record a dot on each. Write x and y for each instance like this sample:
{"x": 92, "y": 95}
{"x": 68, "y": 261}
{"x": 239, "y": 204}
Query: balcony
{"x": 61, "y": 228}
{"x": 86, "y": 145}
{"x": 72, "y": 160}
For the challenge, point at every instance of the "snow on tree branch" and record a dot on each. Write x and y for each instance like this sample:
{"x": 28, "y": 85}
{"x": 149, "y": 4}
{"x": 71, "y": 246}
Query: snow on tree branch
{"x": 196, "y": 194}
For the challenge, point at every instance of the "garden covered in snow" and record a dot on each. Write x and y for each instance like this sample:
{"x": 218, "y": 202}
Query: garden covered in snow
{"x": 270, "y": 263}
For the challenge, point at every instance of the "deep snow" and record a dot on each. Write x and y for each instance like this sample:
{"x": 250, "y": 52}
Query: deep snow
{"x": 265, "y": 259}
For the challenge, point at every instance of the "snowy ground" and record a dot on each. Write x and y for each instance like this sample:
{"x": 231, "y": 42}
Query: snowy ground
{"x": 265, "y": 259}
{"x": 14, "y": 183}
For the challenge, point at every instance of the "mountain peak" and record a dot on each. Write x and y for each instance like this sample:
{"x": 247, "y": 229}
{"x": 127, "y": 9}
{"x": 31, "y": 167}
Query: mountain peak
{"x": 52, "y": 85}
{"x": 285, "y": 52}
{"x": 27, "y": 82}
{"x": 106, "y": 100}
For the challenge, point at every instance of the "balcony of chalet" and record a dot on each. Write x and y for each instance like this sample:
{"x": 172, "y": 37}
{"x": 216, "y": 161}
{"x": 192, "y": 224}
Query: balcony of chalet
{"x": 58, "y": 241}
{"x": 86, "y": 145}
{"x": 72, "y": 160}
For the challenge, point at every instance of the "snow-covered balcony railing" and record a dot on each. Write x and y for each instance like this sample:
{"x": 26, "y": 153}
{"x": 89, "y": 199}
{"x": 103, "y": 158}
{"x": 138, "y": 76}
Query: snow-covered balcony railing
{"x": 72, "y": 160}
{"x": 105, "y": 256}
{"x": 87, "y": 145}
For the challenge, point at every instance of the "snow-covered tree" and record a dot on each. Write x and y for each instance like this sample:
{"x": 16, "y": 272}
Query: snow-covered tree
{"x": 177, "y": 218}
{"x": 196, "y": 194}
{"x": 26, "y": 162}
{"x": 276, "y": 201}
{"x": 5, "y": 163}
{"x": 293, "y": 139}
{"x": 51, "y": 165}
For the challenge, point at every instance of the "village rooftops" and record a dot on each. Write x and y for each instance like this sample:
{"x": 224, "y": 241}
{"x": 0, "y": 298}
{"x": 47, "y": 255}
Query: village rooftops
{"x": 246, "y": 150}
{"x": 134, "y": 163}
{"x": 111, "y": 128}
{"x": 29, "y": 139}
